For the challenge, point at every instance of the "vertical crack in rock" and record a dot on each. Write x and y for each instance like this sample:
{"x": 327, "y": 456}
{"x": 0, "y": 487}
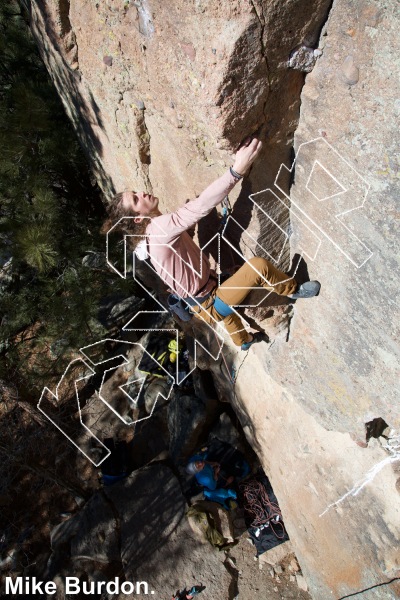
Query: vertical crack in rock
{"x": 59, "y": 30}
{"x": 143, "y": 137}
{"x": 261, "y": 19}
{"x": 323, "y": 26}
{"x": 143, "y": 140}
{"x": 65, "y": 23}
{"x": 243, "y": 87}
{"x": 312, "y": 40}
{"x": 289, "y": 321}
{"x": 67, "y": 34}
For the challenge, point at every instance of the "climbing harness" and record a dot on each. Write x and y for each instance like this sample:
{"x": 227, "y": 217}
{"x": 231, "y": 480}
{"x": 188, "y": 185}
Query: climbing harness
{"x": 222, "y": 308}
{"x": 181, "y": 306}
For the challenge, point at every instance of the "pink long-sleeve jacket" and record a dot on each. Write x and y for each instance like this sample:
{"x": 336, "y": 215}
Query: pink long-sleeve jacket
{"x": 174, "y": 255}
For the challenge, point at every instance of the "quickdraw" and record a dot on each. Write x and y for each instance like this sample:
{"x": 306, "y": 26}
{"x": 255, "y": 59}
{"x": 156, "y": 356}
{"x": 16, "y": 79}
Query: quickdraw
{"x": 226, "y": 211}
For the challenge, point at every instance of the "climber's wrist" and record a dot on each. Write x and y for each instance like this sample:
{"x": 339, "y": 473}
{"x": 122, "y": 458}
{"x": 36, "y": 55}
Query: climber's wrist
{"x": 235, "y": 174}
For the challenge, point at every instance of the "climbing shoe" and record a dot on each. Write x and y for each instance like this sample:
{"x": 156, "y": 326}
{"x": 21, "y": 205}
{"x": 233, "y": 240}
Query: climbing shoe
{"x": 306, "y": 290}
{"x": 196, "y": 589}
{"x": 257, "y": 337}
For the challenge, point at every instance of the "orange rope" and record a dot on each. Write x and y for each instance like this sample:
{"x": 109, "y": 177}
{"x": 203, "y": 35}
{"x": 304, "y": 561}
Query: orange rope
{"x": 260, "y": 508}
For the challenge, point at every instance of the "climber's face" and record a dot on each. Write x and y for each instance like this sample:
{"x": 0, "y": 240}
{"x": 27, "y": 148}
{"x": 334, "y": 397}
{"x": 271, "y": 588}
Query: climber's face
{"x": 139, "y": 204}
{"x": 199, "y": 464}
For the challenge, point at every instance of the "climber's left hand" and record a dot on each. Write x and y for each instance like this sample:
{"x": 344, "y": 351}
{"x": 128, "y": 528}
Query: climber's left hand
{"x": 246, "y": 155}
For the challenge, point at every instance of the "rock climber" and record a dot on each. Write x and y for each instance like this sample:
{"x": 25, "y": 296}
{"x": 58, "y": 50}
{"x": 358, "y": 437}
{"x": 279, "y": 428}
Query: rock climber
{"x": 182, "y": 265}
{"x": 215, "y": 482}
{"x": 188, "y": 594}
{"x": 207, "y": 473}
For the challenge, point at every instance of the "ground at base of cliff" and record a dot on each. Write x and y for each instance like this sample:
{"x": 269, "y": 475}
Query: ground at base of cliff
{"x": 255, "y": 577}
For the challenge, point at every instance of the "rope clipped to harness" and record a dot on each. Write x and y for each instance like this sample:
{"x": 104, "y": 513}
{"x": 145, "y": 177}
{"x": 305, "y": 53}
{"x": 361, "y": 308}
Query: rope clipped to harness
{"x": 260, "y": 509}
{"x": 226, "y": 211}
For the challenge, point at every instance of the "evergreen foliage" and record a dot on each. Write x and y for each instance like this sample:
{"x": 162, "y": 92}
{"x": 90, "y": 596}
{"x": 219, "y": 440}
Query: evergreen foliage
{"x": 50, "y": 215}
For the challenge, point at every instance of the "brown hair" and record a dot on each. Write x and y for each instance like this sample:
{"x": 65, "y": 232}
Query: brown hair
{"x": 116, "y": 211}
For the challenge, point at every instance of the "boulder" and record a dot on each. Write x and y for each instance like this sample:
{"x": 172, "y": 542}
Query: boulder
{"x": 157, "y": 543}
{"x": 140, "y": 521}
{"x": 90, "y": 534}
{"x": 187, "y": 418}
{"x": 116, "y": 310}
{"x": 276, "y": 555}
{"x": 226, "y": 431}
{"x": 304, "y": 58}
{"x": 150, "y": 440}
{"x": 157, "y": 393}
{"x": 223, "y": 518}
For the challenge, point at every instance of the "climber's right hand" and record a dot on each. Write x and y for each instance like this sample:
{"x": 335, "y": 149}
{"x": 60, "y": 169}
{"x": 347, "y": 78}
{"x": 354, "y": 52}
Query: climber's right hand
{"x": 246, "y": 155}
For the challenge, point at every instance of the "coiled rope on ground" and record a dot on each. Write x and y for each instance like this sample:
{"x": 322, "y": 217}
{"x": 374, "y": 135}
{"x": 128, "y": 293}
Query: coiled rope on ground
{"x": 260, "y": 508}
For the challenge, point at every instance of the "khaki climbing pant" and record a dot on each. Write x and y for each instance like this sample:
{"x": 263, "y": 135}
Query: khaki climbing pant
{"x": 257, "y": 272}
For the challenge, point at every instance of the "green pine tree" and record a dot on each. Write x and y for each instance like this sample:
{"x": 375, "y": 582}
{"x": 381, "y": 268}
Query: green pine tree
{"x": 50, "y": 216}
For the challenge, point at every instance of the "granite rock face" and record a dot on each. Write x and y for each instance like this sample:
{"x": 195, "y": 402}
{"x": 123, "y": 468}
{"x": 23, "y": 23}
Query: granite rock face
{"x": 337, "y": 370}
{"x": 348, "y": 335}
{"x": 160, "y": 94}
{"x": 153, "y": 87}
